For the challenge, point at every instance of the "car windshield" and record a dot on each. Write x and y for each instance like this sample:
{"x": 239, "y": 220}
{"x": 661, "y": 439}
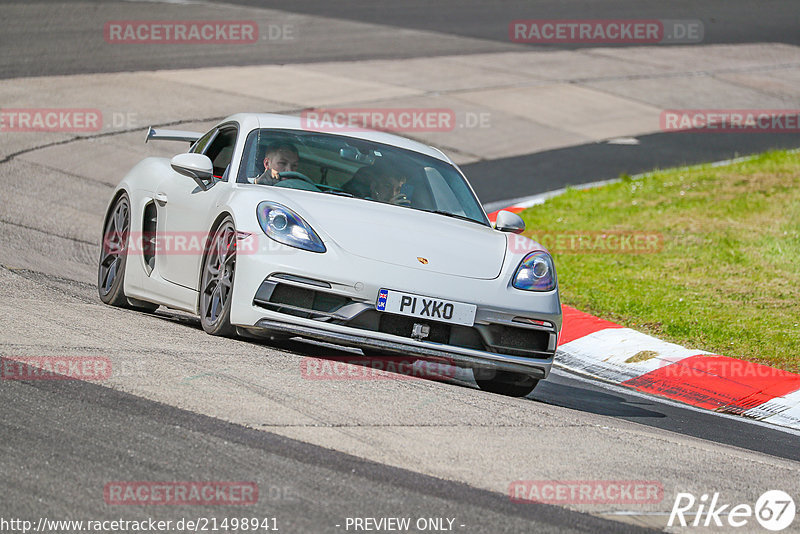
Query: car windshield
{"x": 356, "y": 168}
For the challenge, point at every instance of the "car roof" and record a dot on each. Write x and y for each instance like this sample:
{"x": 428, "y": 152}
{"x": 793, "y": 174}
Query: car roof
{"x": 252, "y": 121}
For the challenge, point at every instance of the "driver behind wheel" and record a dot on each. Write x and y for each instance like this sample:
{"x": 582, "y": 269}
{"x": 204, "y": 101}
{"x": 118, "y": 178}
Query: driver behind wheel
{"x": 279, "y": 157}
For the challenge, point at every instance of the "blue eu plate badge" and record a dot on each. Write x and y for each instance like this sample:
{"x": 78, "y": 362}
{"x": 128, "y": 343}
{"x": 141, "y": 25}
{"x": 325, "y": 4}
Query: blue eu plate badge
{"x": 383, "y": 294}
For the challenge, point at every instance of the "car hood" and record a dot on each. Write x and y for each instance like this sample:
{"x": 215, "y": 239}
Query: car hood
{"x": 410, "y": 238}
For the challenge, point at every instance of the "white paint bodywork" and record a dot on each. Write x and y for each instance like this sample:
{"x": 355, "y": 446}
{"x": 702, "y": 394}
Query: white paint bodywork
{"x": 369, "y": 246}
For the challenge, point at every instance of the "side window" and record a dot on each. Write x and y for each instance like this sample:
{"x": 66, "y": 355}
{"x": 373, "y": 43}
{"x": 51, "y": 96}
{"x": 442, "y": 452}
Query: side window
{"x": 220, "y": 150}
{"x": 247, "y": 167}
{"x": 201, "y": 144}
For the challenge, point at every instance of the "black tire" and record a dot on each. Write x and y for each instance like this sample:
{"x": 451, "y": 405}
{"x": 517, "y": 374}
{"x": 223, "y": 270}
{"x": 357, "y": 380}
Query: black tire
{"x": 114, "y": 257}
{"x": 216, "y": 281}
{"x": 505, "y": 383}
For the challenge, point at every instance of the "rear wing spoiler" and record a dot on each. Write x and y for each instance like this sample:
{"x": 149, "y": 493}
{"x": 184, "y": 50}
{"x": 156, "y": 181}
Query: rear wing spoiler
{"x": 171, "y": 135}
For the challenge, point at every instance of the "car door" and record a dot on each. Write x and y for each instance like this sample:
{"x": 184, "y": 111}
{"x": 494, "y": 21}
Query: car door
{"x": 186, "y": 212}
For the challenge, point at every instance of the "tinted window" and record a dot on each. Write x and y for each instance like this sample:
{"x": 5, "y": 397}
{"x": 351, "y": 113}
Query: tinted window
{"x": 362, "y": 169}
{"x": 201, "y": 144}
{"x": 220, "y": 151}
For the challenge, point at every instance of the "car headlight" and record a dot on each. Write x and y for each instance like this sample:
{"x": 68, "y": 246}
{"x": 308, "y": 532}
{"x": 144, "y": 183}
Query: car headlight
{"x": 535, "y": 273}
{"x": 285, "y": 226}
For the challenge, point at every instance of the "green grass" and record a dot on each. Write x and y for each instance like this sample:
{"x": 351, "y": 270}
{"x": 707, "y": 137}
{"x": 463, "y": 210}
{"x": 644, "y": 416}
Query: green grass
{"x": 727, "y": 278}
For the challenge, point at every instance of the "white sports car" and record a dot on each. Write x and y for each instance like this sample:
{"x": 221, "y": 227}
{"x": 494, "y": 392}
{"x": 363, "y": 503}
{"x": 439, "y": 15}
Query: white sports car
{"x": 367, "y": 240}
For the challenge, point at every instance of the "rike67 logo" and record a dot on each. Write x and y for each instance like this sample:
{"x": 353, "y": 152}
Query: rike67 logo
{"x": 774, "y": 510}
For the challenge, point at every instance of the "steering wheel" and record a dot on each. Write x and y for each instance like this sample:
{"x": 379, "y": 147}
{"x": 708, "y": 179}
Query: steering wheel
{"x": 400, "y": 199}
{"x": 293, "y": 174}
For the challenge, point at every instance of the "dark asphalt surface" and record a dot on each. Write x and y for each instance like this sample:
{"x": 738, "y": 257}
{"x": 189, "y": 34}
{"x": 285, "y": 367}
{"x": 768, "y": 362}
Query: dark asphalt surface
{"x": 562, "y": 388}
{"x": 46, "y": 37}
{"x": 61, "y": 442}
{"x": 724, "y": 21}
{"x": 591, "y": 397}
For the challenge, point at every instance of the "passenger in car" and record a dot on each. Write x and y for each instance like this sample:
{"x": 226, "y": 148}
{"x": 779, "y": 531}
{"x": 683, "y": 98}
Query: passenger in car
{"x": 279, "y": 157}
{"x": 378, "y": 182}
{"x": 387, "y": 188}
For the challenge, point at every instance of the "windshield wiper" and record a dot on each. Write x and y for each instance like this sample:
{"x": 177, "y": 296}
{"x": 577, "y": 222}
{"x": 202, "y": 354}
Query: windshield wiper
{"x": 454, "y": 215}
{"x": 340, "y": 193}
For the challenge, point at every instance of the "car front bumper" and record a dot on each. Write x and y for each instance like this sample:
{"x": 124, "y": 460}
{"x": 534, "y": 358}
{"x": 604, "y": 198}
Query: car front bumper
{"x": 462, "y": 357}
{"x": 499, "y": 340}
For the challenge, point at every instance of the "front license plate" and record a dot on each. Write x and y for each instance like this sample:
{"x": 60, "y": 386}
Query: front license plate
{"x": 429, "y": 308}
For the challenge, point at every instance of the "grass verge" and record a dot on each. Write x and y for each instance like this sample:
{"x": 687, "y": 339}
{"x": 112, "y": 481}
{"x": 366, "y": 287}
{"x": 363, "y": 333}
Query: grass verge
{"x": 715, "y": 266}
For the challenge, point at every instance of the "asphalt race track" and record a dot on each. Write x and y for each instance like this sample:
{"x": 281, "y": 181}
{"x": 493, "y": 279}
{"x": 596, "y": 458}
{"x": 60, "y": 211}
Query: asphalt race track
{"x": 190, "y": 407}
{"x": 61, "y": 42}
{"x": 100, "y": 433}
